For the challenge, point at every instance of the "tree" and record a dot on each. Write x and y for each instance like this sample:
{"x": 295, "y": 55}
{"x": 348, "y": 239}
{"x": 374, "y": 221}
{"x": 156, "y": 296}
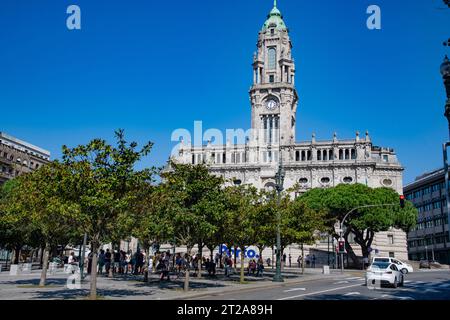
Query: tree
{"x": 364, "y": 222}
{"x": 152, "y": 218}
{"x": 103, "y": 183}
{"x": 36, "y": 198}
{"x": 241, "y": 219}
{"x": 16, "y": 228}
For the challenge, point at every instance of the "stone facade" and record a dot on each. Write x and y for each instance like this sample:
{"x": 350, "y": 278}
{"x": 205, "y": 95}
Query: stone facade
{"x": 17, "y": 157}
{"x": 271, "y": 140}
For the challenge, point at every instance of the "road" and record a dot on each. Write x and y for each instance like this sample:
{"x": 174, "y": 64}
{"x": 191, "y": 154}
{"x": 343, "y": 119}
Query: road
{"x": 421, "y": 285}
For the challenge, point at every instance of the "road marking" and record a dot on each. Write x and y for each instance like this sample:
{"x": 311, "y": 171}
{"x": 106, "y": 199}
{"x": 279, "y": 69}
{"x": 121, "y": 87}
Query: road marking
{"x": 295, "y": 289}
{"x": 352, "y": 294}
{"x": 319, "y": 292}
{"x": 354, "y": 278}
{"x": 341, "y": 282}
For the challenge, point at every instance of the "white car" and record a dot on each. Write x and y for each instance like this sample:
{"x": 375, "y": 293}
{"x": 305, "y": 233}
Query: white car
{"x": 384, "y": 273}
{"x": 402, "y": 266}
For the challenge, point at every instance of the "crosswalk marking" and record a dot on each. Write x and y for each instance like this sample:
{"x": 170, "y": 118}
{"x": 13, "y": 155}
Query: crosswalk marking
{"x": 295, "y": 289}
{"x": 354, "y": 278}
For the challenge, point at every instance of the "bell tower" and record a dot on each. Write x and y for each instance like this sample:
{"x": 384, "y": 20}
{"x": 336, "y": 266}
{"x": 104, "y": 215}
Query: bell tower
{"x": 273, "y": 95}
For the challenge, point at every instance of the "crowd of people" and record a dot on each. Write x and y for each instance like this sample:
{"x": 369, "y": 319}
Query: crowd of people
{"x": 164, "y": 263}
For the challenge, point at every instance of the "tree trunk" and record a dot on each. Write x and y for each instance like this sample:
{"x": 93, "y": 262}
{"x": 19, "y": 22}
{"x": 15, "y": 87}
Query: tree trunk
{"x": 17, "y": 254}
{"x": 261, "y": 249}
{"x": 93, "y": 293}
{"x": 349, "y": 249}
{"x": 242, "y": 278}
{"x": 111, "y": 274}
{"x": 200, "y": 259}
{"x": 44, "y": 266}
{"x": 188, "y": 264}
{"x": 41, "y": 256}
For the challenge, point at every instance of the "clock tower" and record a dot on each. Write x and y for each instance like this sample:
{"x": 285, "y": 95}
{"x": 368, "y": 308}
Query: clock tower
{"x": 273, "y": 95}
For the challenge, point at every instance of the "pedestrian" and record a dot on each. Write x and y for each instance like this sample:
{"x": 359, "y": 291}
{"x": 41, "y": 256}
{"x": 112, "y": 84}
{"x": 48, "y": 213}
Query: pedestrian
{"x": 163, "y": 269}
{"x": 101, "y": 261}
{"x": 313, "y": 264}
{"x": 290, "y": 261}
{"x": 260, "y": 267}
{"x": 300, "y": 261}
{"x": 217, "y": 258}
{"x": 107, "y": 261}
{"x": 284, "y": 259}
{"x": 268, "y": 262}
{"x": 116, "y": 261}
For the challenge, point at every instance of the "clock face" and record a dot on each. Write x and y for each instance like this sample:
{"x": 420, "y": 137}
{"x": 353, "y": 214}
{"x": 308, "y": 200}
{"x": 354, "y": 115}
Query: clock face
{"x": 271, "y": 105}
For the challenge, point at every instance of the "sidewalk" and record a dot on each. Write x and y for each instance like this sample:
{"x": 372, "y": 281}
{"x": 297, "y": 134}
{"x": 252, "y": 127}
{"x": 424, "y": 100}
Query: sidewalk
{"x": 25, "y": 286}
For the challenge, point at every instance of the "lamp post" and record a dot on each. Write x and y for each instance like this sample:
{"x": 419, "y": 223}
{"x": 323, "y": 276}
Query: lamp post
{"x": 279, "y": 179}
{"x": 445, "y": 72}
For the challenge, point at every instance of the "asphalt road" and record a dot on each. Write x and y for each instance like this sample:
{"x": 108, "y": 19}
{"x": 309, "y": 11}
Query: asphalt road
{"x": 421, "y": 285}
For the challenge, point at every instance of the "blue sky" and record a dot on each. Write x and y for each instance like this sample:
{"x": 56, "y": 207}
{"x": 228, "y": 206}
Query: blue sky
{"x": 150, "y": 67}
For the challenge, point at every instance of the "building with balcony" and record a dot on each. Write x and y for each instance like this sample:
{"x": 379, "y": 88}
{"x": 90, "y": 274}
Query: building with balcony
{"x": 429, "y": 240}
{"x": 17, "y": 157}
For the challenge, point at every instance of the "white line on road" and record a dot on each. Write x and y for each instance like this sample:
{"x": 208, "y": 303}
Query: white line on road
{"x": 319, "y": 292}
{"x": 295, "y": 289}
{"x": 356, "y": 293}
{"x": 354, "y": 278}
{"x": 341, "y": 282}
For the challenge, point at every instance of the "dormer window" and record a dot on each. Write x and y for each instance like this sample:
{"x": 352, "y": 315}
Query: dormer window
{"x": 272, "y": 32}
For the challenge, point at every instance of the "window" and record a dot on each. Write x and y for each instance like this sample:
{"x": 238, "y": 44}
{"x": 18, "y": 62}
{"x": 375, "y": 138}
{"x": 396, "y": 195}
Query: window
{"x": 390, "y": 239}
{"x": 272, "y": 32}
{"x": 348, "y": 180}
{"x": 353, "y": 154}
{"x": 272, "y": 58}
{"x": 319, "y": 155}
{"x": 385, "y": 158}
{"x": 303, "y": 180}
{"x": 393, "y": 267}
{"x": 325, "y": 180}
{"x": 271, "y": 78}
{"x": 391, "y": 254}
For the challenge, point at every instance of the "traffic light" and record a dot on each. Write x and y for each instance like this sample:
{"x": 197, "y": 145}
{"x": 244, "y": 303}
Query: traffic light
{"x": 341, "y": 246}
{"x": 402, "y": 201}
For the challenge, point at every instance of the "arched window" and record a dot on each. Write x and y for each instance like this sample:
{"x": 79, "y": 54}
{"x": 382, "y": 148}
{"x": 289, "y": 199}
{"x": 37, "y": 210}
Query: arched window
{"x": 319, "y": 155}
{"x": 297, "y": 155}
{"x": 325, "y": 155}
{"x": 353, "y": 154}
{"x": 341, "y": 154}
{"x": 272, "y": 53}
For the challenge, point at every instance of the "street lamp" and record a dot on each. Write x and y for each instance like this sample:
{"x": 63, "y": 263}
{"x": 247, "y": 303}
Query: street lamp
{"x": 279, "y": 180}
{"x": 445, "y": 72}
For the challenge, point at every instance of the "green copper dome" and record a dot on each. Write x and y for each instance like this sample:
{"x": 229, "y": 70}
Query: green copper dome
{"x": 274, "y": 19}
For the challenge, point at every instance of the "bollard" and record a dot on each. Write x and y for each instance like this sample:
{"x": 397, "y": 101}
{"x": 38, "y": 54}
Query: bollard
{"x": 326, "y": 270}
{"x": 14, "y": 270}
{"x": 26, "y": 268}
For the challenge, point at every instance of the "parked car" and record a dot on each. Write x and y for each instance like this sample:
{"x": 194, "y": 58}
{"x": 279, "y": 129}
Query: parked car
{"x": 384, "y": 273}
{"x": 425, "y": 264}
{"x": 402, "y": 266}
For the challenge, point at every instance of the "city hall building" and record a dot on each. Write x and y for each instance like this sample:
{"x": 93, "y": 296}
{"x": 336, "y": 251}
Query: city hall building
{"x": 310, "y": 164}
